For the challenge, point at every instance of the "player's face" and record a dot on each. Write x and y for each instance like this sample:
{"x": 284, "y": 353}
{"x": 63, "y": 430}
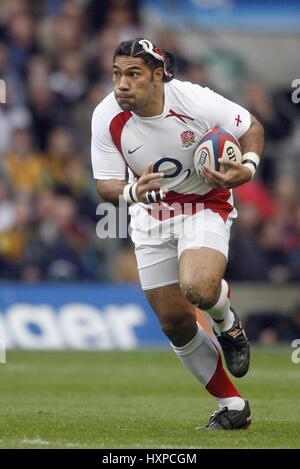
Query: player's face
{"x": 134, "y": 83}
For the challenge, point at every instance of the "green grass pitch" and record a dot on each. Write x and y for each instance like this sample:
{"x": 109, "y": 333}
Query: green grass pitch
{"x": 140, "y": 399}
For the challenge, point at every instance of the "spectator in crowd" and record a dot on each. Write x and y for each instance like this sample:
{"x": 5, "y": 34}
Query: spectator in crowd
{"x": 25, "y": 167}
{"x": 56, "y": 250}
{"x": 7, "y": 208}
{"x": 67, "y": 166}
{"x": 46, "y": 110}
{"x": 13, "y": 81}
{"x": 11, "y": 118}
{"x": 125, "y": 268}
{"x": 277, "y": 124}
{"x": 245, "y": 246}
{"x": 267, "y": 327}
{"x": 70, "y": 82}
{"x": 14, "y": 239}
{"x": 22, "y": 42}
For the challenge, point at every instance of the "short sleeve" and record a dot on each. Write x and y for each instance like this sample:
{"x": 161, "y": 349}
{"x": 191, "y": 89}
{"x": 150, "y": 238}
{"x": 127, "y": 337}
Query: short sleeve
{"x": 217, "y": 111}
{"x": 107, "y": 162}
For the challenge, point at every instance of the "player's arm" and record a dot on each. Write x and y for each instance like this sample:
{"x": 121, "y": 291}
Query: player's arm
{"x": 109, "y": 168}
{"x": 217, "y": 111}
{"x": 110, "y": 190}
{"x": 253, "y": 139}
{"x": 252, "y": 145}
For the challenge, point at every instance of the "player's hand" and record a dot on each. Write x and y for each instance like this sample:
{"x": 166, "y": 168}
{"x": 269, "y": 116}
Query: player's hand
{"x": 149, "y": 182}
{"x": 235, "y": 175}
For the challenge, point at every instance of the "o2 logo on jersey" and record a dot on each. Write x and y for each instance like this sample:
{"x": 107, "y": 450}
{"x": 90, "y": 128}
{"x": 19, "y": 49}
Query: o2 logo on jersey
{"x": 171, "y": 169}
{"x": 169, "y": 166}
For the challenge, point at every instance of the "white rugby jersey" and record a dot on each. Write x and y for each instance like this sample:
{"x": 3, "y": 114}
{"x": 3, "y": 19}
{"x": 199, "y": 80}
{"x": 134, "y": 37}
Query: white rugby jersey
{"x": 122, "y": 139}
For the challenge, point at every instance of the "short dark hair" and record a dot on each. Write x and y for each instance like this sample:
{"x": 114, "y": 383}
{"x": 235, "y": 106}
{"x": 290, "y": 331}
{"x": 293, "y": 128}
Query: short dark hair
{"x": 134, "y": 48}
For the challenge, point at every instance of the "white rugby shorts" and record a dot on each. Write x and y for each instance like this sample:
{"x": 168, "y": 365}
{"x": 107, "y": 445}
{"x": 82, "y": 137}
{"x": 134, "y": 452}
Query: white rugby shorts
{"x": 160, "y": 239}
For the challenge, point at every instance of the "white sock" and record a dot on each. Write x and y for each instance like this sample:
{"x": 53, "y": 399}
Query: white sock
{"x": 220, "y": 313}
{"x": 199, "y": 355}
{"x": 232, "y": 403}
{"x": 202, "y": 358}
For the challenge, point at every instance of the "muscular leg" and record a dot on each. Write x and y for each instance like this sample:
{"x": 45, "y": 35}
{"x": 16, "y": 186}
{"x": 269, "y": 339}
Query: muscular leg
{"x": 175, "y": 313}
{"x": 191, "y": 344}
{"x": 201, "y": 273}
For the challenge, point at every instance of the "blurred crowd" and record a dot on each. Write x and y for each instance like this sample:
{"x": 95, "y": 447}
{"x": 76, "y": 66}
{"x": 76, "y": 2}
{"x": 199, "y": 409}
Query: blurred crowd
{"x": 55, "y": 58}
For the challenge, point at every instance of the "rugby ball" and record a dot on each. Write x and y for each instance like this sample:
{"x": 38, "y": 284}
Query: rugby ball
{"x": 216, "y": 143}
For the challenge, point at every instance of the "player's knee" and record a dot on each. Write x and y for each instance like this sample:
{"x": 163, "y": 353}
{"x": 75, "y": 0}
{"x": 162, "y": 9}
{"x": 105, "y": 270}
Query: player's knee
{"x": 204, "y": 297}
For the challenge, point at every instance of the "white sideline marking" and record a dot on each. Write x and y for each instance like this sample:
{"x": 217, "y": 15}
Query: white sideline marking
{"x": 76, "y": 445}
{"x": 38, "y": 441}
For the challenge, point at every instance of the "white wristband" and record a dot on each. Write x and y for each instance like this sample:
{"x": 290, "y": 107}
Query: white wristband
{"x": 129, "y": 193}
{"x": 251, "y": 160}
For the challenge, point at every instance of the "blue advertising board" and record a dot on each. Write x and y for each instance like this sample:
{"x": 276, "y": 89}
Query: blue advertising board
{"x": 77, "y": 316}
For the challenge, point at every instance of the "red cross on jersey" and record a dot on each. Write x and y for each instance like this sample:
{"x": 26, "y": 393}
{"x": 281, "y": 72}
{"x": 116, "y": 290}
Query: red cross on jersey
{"x": 238, "y": 120}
